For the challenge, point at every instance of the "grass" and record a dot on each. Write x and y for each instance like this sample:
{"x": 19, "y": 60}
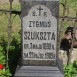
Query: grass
{"x": 16, "y": 23}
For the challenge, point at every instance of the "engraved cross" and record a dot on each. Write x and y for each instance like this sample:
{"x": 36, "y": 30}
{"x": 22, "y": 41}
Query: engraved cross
{"x": 40, "y": 9}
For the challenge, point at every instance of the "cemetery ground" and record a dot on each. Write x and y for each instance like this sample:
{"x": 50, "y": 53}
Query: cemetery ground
{"x": 15, "y": 47}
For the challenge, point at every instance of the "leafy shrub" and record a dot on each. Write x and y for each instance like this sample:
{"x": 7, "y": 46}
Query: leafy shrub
{"x": 2, "y": 56}
{"x": 3, "y": 71}
{"x": 71, "y": 70}
{"x": 13, "y": 57}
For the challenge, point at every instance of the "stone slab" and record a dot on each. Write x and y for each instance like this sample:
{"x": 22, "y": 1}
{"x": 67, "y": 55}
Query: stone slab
{"x": 41, "y": 46}
{"x": 38, "y": 71}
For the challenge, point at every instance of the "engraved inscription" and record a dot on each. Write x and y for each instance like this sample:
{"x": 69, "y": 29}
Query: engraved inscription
{"x": 39, "y": 34}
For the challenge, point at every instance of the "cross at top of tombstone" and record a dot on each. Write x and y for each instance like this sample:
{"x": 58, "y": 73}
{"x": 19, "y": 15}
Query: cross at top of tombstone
{"x": 40, "y": 9}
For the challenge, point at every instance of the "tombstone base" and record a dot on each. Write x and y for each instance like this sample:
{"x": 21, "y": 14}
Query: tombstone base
{"x": 38, "y": 71}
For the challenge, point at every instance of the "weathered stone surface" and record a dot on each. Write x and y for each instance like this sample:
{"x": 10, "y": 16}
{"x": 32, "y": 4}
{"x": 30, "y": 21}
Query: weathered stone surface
{"x": 39, "y": 39}
{"x": 39, "y": 24}
{"x": 38, "y": 71}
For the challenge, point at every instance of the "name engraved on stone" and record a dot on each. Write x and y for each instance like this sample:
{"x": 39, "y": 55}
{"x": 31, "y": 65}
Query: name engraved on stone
{"x": 39, "y": 34}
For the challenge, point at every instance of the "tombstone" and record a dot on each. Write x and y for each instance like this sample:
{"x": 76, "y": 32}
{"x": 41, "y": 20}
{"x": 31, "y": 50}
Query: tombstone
{"x": 39, "y": 39}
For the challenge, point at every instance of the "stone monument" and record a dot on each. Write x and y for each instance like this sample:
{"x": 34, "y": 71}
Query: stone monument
{"x": 39, "y": 39}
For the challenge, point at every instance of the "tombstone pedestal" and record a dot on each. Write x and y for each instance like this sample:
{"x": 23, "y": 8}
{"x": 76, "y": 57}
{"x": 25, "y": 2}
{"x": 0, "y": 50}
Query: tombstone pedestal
{"x": 40, "y": 71}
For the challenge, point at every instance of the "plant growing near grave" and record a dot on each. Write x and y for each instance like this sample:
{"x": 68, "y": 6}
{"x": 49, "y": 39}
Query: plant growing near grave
{"x": 2, "y": 57}
{"x": 71, "y": 70}
{"x": 3, "y": 72}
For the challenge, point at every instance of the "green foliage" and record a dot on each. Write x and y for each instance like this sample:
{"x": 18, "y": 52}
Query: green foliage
{"x": 16, "y": 7}
{"x": 71, "y": 7}
{"x": 14, "y": 51}
{"x": 71, "y": 3}
{"x": 71, "y": 70}
{"x": 2, "y": 56}
{"x": 5, "y": 73}
{"x": 14, "y": 54}
{"x": 16, "y": 22}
